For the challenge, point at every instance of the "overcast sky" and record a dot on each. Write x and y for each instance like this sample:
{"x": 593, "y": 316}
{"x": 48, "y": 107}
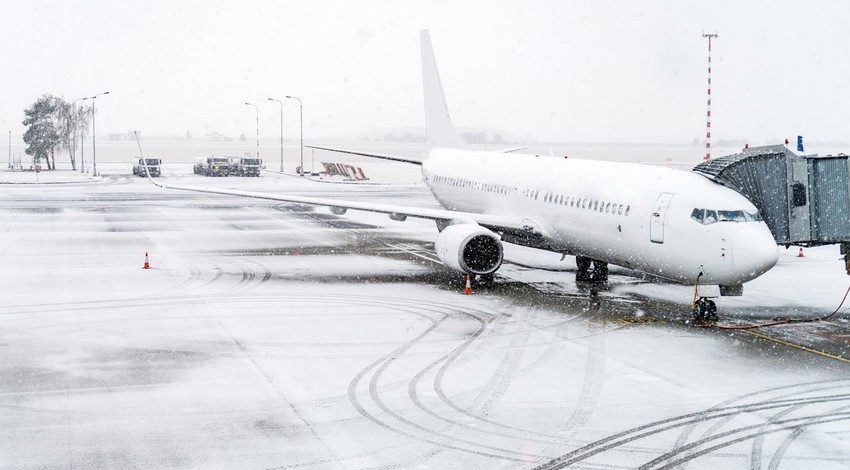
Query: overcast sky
{"x": 602, "y": 71}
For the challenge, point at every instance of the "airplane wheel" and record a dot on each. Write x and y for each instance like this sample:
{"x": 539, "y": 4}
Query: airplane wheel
{"x": 705, "y": 310}
{"x": 485, "y": 280}
{"x": 583, "y": 264}
{"x": 710, "y": 310}
{"x": 600, "y": 271}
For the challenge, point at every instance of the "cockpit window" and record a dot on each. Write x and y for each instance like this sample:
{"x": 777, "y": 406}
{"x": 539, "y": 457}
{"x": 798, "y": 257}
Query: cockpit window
{"x": 731, "y": 216}
{"x": 709, "y": 216}
{"x": 698, "y": 215}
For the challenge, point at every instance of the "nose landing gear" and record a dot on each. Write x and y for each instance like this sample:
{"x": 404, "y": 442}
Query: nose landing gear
{"x": 705, "y": 310}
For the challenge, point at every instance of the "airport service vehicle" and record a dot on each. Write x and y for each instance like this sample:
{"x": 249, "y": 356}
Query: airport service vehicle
{"x": 215, "y": 166}
{"x": 668, "y": 223}
{"x": 198, "y": 166}
{"x": 153, "y": 164}
{"x": 246, "y": 166}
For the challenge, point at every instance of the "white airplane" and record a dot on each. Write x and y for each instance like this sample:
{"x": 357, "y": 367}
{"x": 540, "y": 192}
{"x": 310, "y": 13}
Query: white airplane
{"x": 669, "y": 223}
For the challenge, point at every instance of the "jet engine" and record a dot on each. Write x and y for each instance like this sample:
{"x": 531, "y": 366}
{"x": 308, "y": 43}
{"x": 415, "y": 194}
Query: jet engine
{"x": 471, "y": 249}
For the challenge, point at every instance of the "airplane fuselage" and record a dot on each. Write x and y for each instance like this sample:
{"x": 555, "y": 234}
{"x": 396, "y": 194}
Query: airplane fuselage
{"x": 649, "y": 218}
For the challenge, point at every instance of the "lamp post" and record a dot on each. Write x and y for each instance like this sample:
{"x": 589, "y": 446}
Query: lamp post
{"x": 257, "y": 109}
{"x": 301, "y": 125}
{"x": 93, "y": 147}
{"x": 76, "y": 124}
{"x": 82, "y": 143}
{"x": 281, "y": 132}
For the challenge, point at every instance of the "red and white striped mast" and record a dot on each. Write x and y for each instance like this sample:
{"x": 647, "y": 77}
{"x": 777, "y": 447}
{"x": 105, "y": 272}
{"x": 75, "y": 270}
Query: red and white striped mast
{"x": 708, "y": 110}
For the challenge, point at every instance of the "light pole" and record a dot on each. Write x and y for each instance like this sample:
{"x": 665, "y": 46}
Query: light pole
{"x": 257, "y": 109}
{"x": 93, "y": 147}
{"x": 301, "y": 125}
{"x": 76, "y": 124}
{"x": 82, "y": 143}
{"x": 281, "y": 132}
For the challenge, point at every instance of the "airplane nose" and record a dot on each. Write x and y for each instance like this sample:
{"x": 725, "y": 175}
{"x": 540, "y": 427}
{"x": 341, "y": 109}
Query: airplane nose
{"x": 754, "y": 251}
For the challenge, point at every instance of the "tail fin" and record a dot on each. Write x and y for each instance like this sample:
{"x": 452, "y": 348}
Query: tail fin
{"x": 439, "y": 132}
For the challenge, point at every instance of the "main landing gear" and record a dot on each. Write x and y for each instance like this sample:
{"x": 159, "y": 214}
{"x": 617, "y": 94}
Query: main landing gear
{"x": 485, "y": 280}
{"x": 598, "y": 274}
{"x": 704, "y": 310}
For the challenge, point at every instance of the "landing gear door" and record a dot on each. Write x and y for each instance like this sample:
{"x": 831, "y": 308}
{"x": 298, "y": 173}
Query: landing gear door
{"x": 659, "y": 213}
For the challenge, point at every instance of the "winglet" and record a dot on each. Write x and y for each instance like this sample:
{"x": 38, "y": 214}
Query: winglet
{"x": 439, "y": 132}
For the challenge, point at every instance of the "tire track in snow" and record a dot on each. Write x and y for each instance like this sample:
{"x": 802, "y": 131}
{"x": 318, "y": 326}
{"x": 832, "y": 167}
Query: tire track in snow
{"x": 684, "y": 437}
{"x": 673, "y": 459}
{"x": 411, "y": 429}
{"x": 630, "y": 436}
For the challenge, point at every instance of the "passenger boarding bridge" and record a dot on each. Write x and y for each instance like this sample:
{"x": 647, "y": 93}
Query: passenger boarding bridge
{"x": 804, "y": 199}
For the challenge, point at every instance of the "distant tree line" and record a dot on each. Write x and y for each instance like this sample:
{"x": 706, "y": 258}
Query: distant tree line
{"x": 481, "y": 138}
{"x": 405, "y": 137}
{"x": 52, "y": 124}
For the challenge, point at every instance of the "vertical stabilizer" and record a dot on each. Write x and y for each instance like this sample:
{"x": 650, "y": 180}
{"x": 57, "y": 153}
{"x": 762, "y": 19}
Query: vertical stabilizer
{"x": 439, "y": 132}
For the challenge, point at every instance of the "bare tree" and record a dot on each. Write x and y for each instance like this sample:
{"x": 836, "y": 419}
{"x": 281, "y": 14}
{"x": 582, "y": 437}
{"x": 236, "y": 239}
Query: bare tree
{"x": 74, "y": 122}
{"x": 63, "y": 118}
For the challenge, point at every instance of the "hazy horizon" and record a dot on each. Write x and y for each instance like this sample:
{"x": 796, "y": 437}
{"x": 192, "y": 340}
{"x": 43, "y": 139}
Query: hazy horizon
{"x": 608, "y": 71}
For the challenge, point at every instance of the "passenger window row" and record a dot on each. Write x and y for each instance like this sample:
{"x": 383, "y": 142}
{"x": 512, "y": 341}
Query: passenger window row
{"x": 470, "y": 184}
{"x": 587, "y": 203}
{"x": 560, "y": 199}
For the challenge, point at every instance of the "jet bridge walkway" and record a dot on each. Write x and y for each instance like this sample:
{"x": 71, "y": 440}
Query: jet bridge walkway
{"x": 804, "y": 199}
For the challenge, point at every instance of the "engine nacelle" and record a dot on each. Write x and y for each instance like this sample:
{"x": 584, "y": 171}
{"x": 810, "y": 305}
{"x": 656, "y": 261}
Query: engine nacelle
{"x": 470, "y": 249}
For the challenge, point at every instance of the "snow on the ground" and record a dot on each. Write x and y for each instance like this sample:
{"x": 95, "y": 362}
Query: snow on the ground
{"x": 45, "y": 177}
{"x": 818, "y": 281}
{"x": 236, "y": 350}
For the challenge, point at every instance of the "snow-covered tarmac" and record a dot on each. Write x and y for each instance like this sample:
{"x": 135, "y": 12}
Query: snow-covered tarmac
{"x": 269, "y": 335}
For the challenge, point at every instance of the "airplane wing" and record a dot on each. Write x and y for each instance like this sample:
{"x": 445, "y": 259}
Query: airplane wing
{"x": 514, "y": 149}
{"x": 500, "y": 224}
{"x": 371, "y": 155}
{"x": 513, "y": 226}
{"x": 393, "y": 157}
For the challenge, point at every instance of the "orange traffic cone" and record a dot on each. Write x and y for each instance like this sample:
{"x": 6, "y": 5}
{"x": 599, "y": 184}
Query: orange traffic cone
{"x": 468, "y": 289}
{"x": 147, "y": 265}
{"x": 800, "y": 253}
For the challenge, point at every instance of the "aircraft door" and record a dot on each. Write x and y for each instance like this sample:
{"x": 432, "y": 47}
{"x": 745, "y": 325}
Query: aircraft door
{"x": 659, "y": 213}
